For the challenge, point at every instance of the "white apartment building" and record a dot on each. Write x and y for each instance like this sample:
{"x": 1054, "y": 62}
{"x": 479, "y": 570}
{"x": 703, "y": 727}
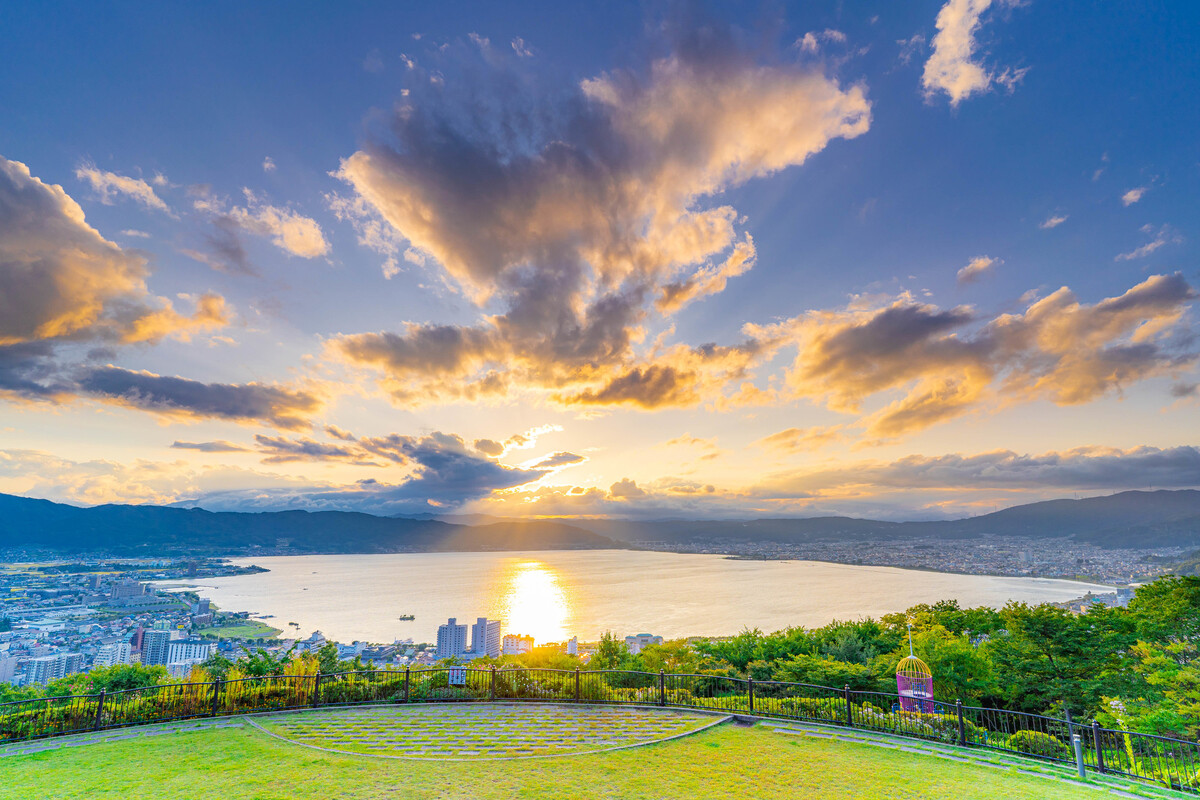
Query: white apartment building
{"x": 111, "y": 654}
{"x": 51, "y": 668}
{"x": 485, "y": 638}
{"x": 636, "y": 642}
{"x": 189, "y": 650}
{"x": 451, "y": 639}
{"x": 156, "y": 647}
{"x": 573, "y": 646}
{"x": 514, "y": 644}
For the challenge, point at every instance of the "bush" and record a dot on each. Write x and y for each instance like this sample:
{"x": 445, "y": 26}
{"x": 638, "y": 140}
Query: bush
{"x": 1036, "y": 743}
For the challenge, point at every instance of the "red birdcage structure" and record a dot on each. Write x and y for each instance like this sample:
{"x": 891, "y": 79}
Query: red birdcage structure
{"x": 914, "y": 682}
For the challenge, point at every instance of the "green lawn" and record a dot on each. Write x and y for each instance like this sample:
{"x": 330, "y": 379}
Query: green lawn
{"x": 250, "y": 629}
{"x": 726, "y": 761}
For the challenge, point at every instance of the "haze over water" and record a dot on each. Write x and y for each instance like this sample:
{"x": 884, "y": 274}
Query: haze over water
{"x": 553, "y": 595}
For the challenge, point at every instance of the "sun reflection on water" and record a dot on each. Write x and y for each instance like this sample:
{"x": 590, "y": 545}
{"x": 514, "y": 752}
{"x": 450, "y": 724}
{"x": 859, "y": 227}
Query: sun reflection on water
{"x": 534, "y": 602}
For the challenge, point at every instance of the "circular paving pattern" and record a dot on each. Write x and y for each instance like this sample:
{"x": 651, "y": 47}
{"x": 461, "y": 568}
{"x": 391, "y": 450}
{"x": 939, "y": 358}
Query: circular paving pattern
{"x": 481, "y": 731}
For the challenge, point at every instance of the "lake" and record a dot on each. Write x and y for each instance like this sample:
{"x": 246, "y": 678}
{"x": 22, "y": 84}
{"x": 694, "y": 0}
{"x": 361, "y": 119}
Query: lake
{"x": 553, "y": 595}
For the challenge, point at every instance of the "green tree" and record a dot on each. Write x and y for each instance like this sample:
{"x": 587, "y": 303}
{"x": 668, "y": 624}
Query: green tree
{"x": 327, "y": 658}
{"x": 824, "y": 671}
{"x": 611, "y": 654}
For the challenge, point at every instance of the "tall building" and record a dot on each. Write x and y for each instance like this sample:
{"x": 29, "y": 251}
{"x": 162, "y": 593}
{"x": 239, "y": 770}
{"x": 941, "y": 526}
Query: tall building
{"x": 451, "y": 639}
{"x": 514, "y": 644}
{"x": 51, "y": 668}
{"x": 124, "y": 590}
{"x": 189, "y": 650}
{"x": 155, "y": 646}
{"x": 8, "y": 668}
{"x": 485, "y": 638}
{"x": 114, "y": 653}
{"x": 573, "y": 646}
{"x": 636, "y": 642}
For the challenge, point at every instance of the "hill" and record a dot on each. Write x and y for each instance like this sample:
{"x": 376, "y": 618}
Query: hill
{"x": 124, "y": 529}
{"x": 1127, "y": 519}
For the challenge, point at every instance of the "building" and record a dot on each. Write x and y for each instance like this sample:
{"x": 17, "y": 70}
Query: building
{"x": 636, "y": 642}
{"x": 189, "y": 650}
{"x": 51, "y": 668}
{"x": 514, "y": 644}
{"x": 155, "y": 646}
{"x": 203, "y": 606}
{"x": 451, "y": 639}
{"x": 573, "y": 646}
{"x": 111, "y": 654}
{"x": 126, "y": 590}
{"x": 182, "y": 669}
{"x": 485, "y": 638}
{"x": 8, "y": 668}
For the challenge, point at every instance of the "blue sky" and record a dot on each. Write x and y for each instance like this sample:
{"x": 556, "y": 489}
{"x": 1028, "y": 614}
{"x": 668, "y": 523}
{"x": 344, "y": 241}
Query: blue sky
{"x": 471, "y": 256}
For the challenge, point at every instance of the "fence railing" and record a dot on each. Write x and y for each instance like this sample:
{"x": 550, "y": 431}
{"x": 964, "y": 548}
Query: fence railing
{"x": 1169, "y": 762}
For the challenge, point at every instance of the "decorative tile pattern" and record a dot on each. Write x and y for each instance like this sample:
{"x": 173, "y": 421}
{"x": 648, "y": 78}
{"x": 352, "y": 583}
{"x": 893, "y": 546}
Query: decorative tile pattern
{"x": 482, "y": 731}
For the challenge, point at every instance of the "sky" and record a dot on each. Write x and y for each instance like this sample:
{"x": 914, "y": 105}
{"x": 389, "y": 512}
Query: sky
{"x": 897, "y": 260}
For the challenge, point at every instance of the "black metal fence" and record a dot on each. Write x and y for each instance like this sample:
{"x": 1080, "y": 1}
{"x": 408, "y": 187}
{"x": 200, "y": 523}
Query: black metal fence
{"x": 1156, "y": 759}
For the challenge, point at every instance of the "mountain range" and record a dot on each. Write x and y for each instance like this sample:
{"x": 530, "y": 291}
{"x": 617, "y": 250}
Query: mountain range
{"x": 1128, "y": 519}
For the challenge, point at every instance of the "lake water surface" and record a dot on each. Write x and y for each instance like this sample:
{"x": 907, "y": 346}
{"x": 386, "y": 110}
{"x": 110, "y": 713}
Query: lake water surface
{"x": 553, "y": 595}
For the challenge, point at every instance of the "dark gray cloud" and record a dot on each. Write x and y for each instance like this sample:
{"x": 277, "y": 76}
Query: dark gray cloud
{"x": 248, "y": 402}
{"x": 445, "y": 473}
{"x": 1082, "y": 468}
{"x": 279, "y": 450}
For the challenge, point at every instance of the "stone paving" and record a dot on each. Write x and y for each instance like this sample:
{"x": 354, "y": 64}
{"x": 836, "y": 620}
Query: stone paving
{"x": 482, "y": 731}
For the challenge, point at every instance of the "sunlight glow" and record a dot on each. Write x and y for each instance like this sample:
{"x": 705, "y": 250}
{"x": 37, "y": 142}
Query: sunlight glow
{"x": 534, "y": 602}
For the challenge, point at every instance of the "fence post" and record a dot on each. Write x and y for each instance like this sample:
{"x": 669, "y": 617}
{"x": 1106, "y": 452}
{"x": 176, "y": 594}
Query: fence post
{"x": 1099, "y": 746}
{"x": 493, "y": 690}
{"x": 849, "y": 716}
{"x": 216, "y": 696}
{"x": 662, "y": 688}
{"x": 962, "y": 727}
{"x": 99, "y": 711}
{"x": 316, "y": 692}
{"x": 1077, "y": 743}
{"x": 577, "y": 684}
{"x": 406, "y": 684}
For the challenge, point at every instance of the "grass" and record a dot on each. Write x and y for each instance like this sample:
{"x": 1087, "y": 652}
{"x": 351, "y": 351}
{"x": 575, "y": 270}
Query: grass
{"x": 250, "y": 629}
{"x": 726, "y": 761}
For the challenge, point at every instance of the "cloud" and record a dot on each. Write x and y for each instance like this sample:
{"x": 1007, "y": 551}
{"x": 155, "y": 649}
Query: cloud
{"x": 558, "y": 460}
{"x": 373, "y": 62}
{"x": 219, "y": 446}
{"x": 626, "y": 489}
{"x": 268, "y": 164}
{"x": 909, "y": 48}
{"x": 572, "y": 209}
{"x": 802, "y": 440}
{"x": 1162, "y": 236}
{"x": 135, "y": 234}
{"x": 287, "y": 229}
{"x": 952, "y": 67}
{"x": 180, "y": 397}
{"x": 1080, "y": 468}
{"x": 946, "y": 362}
{"x": 976, "y": 269}
{"x": 521, "y": 48}
{"x": 811, "y": 41}
{"x": 110, "y": 185}
{"x": 61, "y": 280}
{"x": 1053, "y": 221}
{"x": 444, "y": 473}
{"x": 280, "y": 450}
{"x": 1134, "y": 195}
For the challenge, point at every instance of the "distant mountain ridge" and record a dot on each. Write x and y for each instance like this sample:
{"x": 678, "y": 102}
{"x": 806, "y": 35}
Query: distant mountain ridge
{"x": 1128, "y": 519}
{"x": 1164, "y": 518}
{"x": 126, "y": 529}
